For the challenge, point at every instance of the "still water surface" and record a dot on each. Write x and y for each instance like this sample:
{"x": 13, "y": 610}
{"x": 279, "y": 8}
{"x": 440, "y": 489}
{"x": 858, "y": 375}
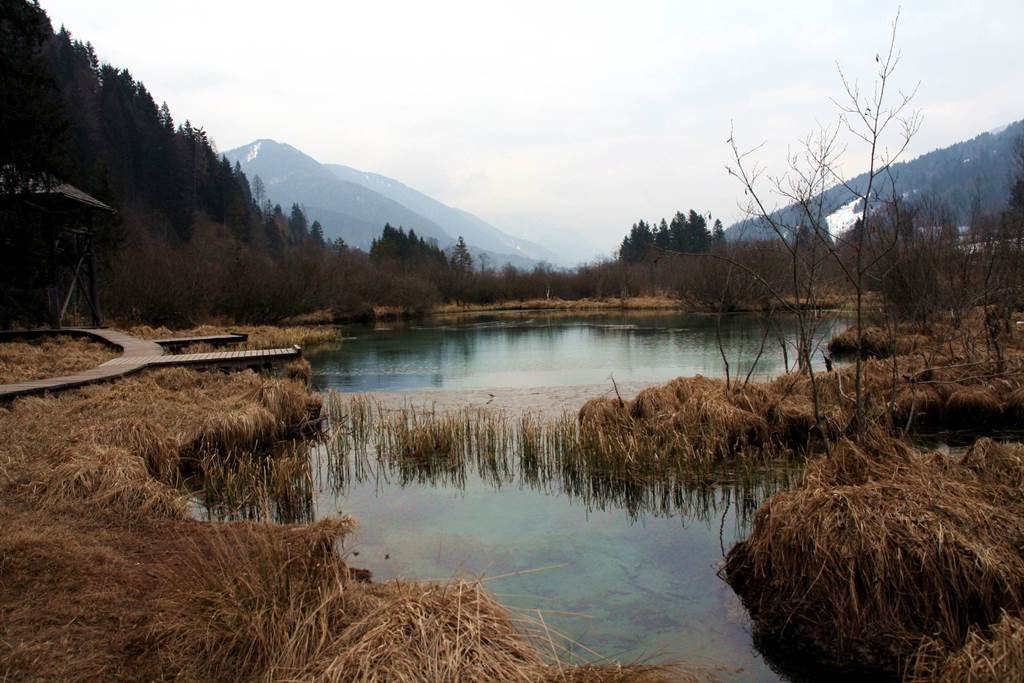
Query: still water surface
{"x": 632, "y": 582}
{"x": 544, "y": 349}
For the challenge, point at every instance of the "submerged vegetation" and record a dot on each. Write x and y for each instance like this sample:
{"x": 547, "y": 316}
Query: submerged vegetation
{"x": 419, "y": 444}
{"x": 94, "y": 501}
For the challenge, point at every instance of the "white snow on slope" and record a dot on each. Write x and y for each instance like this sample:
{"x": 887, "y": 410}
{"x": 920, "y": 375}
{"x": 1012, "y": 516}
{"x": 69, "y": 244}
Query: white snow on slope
{"x": 253, "y": 151}
{"x": 843, "y": 218}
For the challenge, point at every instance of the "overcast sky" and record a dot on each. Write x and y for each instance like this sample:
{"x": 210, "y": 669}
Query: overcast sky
{"x": 552, "y": 115}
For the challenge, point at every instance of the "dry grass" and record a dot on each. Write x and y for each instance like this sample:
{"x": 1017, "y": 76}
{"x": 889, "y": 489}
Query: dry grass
{"x": 269, "y": 607}
{"x": 260, "y": 336}
{"x": 50, "y": 357}
{"x": 104, "y": 577}
{"x": 127, "y": 444}
{"x": 988, "y": 656}
{"x": 637, "y": 303}
{"x": 882, "y": 547}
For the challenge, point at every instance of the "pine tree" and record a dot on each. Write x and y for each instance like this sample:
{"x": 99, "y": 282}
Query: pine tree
{"x": 717, "y": 235}
{"x": 31, "y": 116}
{"x": 298, "y": 227}
{"x": 316, "y": 231}
{"x": 461, "y": 259}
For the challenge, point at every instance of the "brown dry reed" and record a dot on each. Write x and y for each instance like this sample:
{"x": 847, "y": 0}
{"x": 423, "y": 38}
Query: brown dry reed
{"x": 882, "y": 547}
{"x": 280, "y": 606}
{"x": 260, "y": 336}
{"x": 641, "y": 471}
{"x": 104, "y": 577}
{"x": 992, "y": 655}
{"x": 21, "y": 361}
{"x": 129, "y": 444}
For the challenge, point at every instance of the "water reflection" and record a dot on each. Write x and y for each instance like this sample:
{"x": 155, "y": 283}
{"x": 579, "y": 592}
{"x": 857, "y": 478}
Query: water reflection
{"x": 627, "y": 567}
{"x": 539, "y": 349}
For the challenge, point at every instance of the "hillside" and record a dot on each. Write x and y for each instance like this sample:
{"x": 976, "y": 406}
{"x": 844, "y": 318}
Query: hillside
{"x": 355, "y": 205}
{"x": 345, "y": 209}
{"x": 475, "y": 230}
{"x": 973, "y": 175}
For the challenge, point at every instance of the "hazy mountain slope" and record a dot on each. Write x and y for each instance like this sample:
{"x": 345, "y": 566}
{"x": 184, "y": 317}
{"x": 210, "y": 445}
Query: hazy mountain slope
{"x": 475, "y": 230}
{"x": 347, "y": 210}
{"x": 971, "y": 175}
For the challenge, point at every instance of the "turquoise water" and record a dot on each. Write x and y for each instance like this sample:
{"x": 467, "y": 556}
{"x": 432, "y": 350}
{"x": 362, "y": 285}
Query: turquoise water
{"x": 542, "y": 350}
{"x": 629, "y": 572}
{"x": 631, "y": 582}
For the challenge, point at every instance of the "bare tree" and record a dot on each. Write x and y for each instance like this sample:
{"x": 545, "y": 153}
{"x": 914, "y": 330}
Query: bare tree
{"x": 881, "y": 121}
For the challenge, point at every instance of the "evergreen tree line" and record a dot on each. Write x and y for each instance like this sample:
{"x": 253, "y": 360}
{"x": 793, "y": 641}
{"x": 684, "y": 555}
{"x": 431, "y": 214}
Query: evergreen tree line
{"x": 194, "y": 240}
{"x": 687, "y": 234}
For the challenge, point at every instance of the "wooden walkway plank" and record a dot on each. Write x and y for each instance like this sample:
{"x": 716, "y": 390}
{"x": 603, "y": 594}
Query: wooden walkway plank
{"x": 136, "y": 354}
{"x": 212, "y": 339}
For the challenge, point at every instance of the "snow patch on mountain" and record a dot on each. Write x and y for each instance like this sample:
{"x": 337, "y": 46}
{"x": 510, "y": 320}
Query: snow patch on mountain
{"x": 253, "y": 151}
{"x": 843, "y": 218}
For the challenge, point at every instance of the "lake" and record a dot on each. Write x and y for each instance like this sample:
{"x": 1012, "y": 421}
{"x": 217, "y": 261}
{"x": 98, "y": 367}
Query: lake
{"x": 629, "y": 574}
{"x": 536, "y": 349}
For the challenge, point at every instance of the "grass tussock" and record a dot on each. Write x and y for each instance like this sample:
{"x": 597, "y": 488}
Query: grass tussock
{"x": 21, "y": 361}
{"x": 270, "y": 606}
{"x": 877, "y": 342}
{"x": 104, "y": 577}
{"x": 989, "y": 655}
{"x": 128, "y": 444}
{"x": 882, "y": 547}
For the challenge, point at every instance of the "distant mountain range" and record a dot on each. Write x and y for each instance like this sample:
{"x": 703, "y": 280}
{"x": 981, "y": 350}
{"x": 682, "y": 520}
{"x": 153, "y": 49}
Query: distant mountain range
{"x": 973, "y": 175}
{"x": 355, "y": 205}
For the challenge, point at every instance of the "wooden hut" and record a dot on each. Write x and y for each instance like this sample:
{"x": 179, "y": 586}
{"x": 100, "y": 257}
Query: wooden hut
{"x": 48, "y": 239}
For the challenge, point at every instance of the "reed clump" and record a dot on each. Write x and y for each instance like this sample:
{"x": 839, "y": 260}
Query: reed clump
{"x": 104, "y": 576}
{"x": 263, "y": 605}
{"x": 877, "y": 342}
{"x": 21, "y": 361}
{"x": 990, "y": 655}
{"x": 882, "y": 547}
{"x": 130, "y": 443}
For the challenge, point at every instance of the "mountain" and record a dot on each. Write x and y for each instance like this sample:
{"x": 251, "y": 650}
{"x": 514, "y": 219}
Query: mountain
{"x": 347, "y": 210}
{"x": 969, "y": 176}
{"x": 475, "y": 230}
{"x": 355, "y": 205}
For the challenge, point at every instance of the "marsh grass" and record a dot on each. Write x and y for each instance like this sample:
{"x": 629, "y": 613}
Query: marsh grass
{"x": 417, "y": 445}
{"x": 990, "y": 655}
{"x": 21, "y": 361}
{"x": 256, "y": 604}
{"x": 105, "y": 576}
{"x": 275, "y": 486}
{"x": 260, "y": 336}
{"x": 883, "y": 548}
{"x": 130, "y": 445}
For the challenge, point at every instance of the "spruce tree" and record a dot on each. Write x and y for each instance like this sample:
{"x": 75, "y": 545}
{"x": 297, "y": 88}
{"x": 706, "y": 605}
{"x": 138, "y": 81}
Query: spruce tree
{"x": 31, "y": 116}
{"x": 461, "y": 259}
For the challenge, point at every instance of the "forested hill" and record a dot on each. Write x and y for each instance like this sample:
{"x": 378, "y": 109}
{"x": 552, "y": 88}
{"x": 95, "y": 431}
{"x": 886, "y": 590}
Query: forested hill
{"x": 122, "y": 147}
{"x": 969, "y": 177}
{"x": 353, "y": 205}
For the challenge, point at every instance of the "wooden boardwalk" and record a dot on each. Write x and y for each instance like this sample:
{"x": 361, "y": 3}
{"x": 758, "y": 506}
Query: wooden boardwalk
{"x": 138, "y": 354}
{"x": 211, "y": 339}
